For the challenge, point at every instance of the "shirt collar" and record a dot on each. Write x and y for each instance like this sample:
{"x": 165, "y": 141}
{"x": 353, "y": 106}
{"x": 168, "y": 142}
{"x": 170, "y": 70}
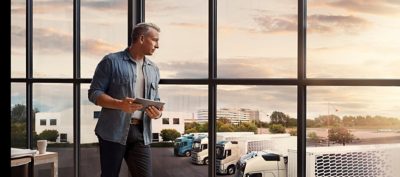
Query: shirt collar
{"x": 128, "y": 57}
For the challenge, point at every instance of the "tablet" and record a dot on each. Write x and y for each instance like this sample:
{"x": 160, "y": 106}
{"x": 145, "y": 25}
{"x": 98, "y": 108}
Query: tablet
{"x": 146, "y": 103}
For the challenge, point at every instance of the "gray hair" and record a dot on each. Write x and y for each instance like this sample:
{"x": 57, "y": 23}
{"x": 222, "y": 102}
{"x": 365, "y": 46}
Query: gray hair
{"x": 142, "y": 29}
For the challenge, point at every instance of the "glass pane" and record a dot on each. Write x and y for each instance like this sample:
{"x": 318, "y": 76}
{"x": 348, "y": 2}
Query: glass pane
{"x": 350, "y": 39}
{"x": 359, "y": 126}
{"x": 182, "y": 103}
{"x": 257, "y": 39}
{"x": 90, "y": 159}
{"x": 52, "y": 38}
{"x": 183, "y": 51}
{"x": 18, "y": 115}
{"x": 54, "y": 101}
{"x": 18, "y": 34}
{"x": 254, "y": 122}
{"x": 103, "y": 30}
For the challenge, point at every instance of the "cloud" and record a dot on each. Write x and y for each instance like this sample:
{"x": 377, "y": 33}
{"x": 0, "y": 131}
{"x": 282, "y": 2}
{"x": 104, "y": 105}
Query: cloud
{"x": 234, "y": 67}
{"x": 53, "y": 41}
{"x": 114, "y": 5}
{"x": 270, "y": 24}
{"x": 162, "y": 6}
{"x": 17, "y": 8}
{"x": 336, "y": 23}
{"x": 387, "y": 7}
{"x": 317, "y": 23}
{"x": 190, "y": 25}
{"x": 98, "y": 47}
{"x": 17, "y": 36}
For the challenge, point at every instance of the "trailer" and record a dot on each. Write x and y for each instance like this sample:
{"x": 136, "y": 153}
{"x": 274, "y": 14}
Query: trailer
{"x": 379, "y": 160}
{"x": 200, "y": 146}
{"x": 228, "y": 153}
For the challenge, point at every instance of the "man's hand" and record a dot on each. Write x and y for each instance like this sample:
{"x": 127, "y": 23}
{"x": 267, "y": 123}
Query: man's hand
{"x": 153, "y": 112}
{"x": 128, "y": 105}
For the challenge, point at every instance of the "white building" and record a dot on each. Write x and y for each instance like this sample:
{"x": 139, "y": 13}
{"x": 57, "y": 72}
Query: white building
{"x": 63, "y": 123}
{"x": 235, "y": 115}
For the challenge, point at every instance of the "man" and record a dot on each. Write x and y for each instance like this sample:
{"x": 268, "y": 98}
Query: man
{"x": 123, "y": 128}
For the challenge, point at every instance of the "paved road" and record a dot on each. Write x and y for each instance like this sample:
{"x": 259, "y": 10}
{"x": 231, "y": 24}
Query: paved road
{"x": 165, "y": 164}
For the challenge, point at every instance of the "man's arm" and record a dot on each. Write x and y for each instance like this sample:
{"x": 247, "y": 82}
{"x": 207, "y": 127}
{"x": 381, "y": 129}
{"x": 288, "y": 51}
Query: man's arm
{"x": 126, "y": 104}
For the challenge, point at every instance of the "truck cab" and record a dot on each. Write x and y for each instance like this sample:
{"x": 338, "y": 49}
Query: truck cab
{"x": 265, "y": 165}
{"x": 183, "y": 145}
{"x": 227, "y": 154}
{"x": 200, "y": 151}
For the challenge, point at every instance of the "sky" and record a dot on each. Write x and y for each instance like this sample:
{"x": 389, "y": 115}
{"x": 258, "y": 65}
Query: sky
{"x": 256, "y": 39}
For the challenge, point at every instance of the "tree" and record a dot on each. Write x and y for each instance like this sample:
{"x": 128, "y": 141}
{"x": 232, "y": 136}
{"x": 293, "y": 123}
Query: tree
{"x": 169, "y": 134}
{"x": 247, "y": 127}
{"x": 279, "y": 118}
{"x": 277, "y": 128}
{"x": 50, "y": 135}
{"x": 340, "y": 135}
{"x": 293, "y": 132}
{"x": 226, "y": 128}
{"x": 18, "y": 113}
{"x": 313, "y": 137}
{"x": 192, "y": 127}
{"x": 327, "y": 120}
{"x": 18, "y": 125}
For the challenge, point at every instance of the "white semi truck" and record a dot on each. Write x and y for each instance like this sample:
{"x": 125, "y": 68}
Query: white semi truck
{"x": 229, "y": 152}
{"x": 200, "y": 145}
{"x": 380, "y": 160}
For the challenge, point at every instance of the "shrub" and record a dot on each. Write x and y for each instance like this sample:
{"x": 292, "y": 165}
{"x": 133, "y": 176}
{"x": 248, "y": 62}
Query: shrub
{"x": 277, "y": 128}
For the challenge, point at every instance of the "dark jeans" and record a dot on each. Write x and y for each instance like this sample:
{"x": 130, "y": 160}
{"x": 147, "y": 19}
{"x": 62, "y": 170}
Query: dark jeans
{"x": 136, "y": 154}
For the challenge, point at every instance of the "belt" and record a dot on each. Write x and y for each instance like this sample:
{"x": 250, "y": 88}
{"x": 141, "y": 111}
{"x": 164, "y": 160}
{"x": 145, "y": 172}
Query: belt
{"x": 135, "y": 121}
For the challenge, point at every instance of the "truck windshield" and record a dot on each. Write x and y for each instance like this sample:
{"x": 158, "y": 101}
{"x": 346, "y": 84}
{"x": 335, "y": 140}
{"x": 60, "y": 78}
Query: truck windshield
{"x": 220, "y": 153}
{"x": 177, "y": 143}
{"x": 196, "y": 146}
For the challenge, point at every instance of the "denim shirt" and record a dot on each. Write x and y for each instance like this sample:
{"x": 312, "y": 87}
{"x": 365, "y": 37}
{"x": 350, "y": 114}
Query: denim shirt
{"x": 115, "y": 76}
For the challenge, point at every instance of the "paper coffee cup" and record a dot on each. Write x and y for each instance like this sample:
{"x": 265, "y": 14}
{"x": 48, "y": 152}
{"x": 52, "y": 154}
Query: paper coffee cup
{"x": 42, "y": 146}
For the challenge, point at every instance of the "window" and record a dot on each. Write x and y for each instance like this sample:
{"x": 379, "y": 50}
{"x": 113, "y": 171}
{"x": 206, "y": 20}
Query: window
{"x": 96, "y": 114}
{"x": 42, "y": 121}
{"x": 63, "y": 137}
{"x": 156, "y": 137}
{"x": 53, "y": 121}
{"x": 175, "y": 121}
{"x": 228, "y": 153}
{"x": 259, "y": 175}
{"x": 165, "y": 121}
{"x": 263, "y": 69}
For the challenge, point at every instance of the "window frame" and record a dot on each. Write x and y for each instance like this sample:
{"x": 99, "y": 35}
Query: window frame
{"x": 136, "y": 13}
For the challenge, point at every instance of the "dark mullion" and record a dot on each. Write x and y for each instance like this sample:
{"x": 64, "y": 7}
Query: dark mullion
{"x": 257, "y": 81}
{"x": 141, "y": 9}
{"x": 242, "y": 81}
{"x": 212, "y": 87}
{"x": 301, "y": 88}
{"x": 29, "y": 72}
{"x": 77, "y": 127}
{"x": 353, "y": 82}
{"x": 135, "y": 15}
{"x": 130, "y": 14}
{"x": 76, "y": 86}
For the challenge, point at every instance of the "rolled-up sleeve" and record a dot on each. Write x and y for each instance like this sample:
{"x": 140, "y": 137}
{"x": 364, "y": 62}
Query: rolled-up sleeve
{"x": 101, "y": 79}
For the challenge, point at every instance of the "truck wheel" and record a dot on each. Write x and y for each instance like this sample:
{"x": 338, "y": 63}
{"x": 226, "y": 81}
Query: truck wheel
{"x": 231, "y": 170}
{"x": 187, "y": 153}
{"x": 205, "y": 161}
